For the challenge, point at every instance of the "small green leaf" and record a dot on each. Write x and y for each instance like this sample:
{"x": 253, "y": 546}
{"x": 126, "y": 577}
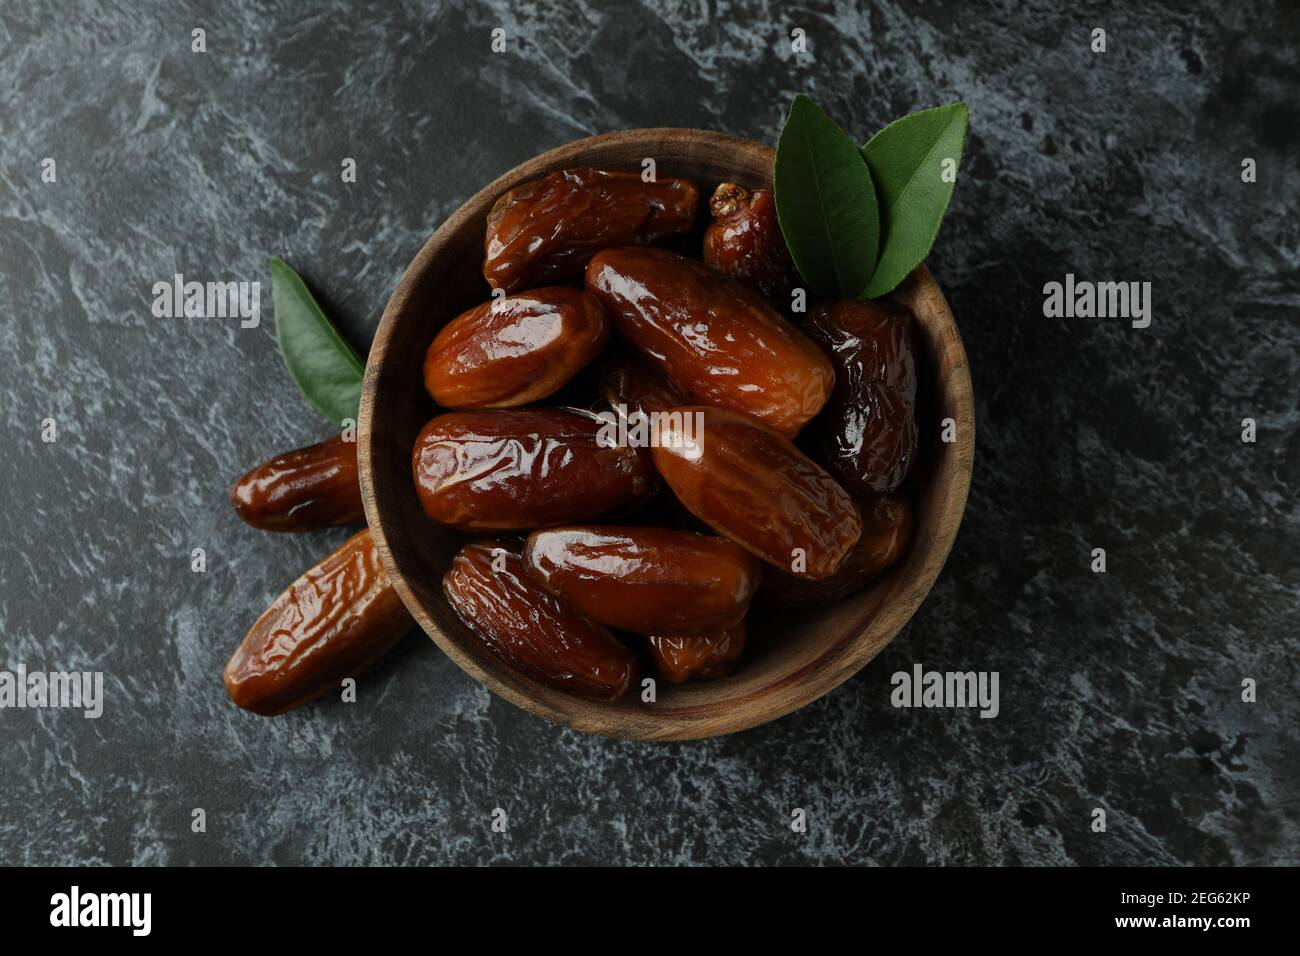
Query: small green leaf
{"x": 825, "y": 203}
{"x": 907, "y": 165}
{"x": 326, "y": 369}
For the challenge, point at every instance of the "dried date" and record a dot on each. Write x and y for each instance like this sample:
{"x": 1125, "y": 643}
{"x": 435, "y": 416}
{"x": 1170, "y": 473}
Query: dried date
{"x": 302, "y": 490}
{"x": 868, "y": 429}
{"x": 515, "y": 469}
{"x": 886, "y": 533}
{"x": 645, "y": 580}
{"x": 717, "y": 341}
{"x": 547, "y": 229}
{"x": 333, "y": 622}
{"x": 751, "y": 484}
{"x": 514, "y": 350}
{"x": 744, "y": 241}
{"x": 532, "y": 631}
{"x": 682, "y": 657}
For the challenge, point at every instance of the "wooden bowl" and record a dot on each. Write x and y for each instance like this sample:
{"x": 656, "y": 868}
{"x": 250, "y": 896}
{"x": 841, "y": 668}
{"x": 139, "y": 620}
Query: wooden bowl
{"x": 792, "y": 658}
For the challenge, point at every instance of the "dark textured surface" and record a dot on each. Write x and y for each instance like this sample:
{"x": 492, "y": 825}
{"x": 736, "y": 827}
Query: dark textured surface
{"x": 1119, "y": 691}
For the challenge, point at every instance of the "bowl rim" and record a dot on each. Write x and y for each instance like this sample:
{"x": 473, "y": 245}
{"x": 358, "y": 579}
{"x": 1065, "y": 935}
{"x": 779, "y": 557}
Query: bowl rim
{"x": 848, "y": 655}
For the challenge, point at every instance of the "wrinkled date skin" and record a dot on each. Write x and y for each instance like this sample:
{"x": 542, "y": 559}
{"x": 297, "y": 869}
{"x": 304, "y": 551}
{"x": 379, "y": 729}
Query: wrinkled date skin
{"x": 744, "y": 241}
{"x": 312, "y": 487}
{"x": 515, "y": 350}
{"x": 682, "y": 657}
{"x": 868, "y": 430}
{"x": 751, "y": 484}
{"x": 333, "y": 622}
{"x": 627, "y": 379}
{"x": 547, "y": 229}
{"x": 886, "y": 533}
{"x": 532, "y": 631}
{"x": 645, "y": 580}
{"x": 514, "y": 469}
{"x": 717, "y": 341}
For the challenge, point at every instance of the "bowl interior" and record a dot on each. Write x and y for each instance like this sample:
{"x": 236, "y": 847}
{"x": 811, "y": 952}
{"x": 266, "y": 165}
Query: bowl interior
{"x": 792, "y": 657}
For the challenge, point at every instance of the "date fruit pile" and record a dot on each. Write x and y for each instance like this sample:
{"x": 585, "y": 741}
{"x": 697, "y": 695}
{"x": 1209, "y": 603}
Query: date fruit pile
{"x": 778, "y": 449}
{"x": 776, "y": 473}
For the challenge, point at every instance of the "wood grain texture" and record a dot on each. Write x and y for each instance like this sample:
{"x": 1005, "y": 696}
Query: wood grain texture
{"x": 793, "y": 658}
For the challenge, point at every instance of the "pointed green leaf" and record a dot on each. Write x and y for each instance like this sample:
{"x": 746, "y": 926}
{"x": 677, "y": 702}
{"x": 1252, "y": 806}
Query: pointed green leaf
{"x": 907, "y": 165}
{"x": 325, "y": 367}
{"x": 825, "y": 203}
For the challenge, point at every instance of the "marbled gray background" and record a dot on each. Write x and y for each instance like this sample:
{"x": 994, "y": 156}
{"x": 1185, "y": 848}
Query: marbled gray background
{"x": 1119, "y": 691}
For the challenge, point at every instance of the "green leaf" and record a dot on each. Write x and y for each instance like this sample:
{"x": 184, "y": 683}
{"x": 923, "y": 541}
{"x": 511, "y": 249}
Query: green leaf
{"x": 326, "y": 369}
{"x": 825, "y": 203}
{"x": 906, "y": 160}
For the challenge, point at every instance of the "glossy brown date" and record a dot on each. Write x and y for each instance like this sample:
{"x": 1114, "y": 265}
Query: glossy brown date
{"x": 312, "y": 487}
{"x": 886, "y": 533}
{"x": 682, "y": 657}
{"x": 547, "y": 229}
{"x": 645, "y": 580}
{"x": 513, "y": 469}
{"x": 627, "y": 379}
{"x": 514, "y": 350}
{"x": 718, "y": 342}
{"x": 744, "y": 241}
{"x": 529, "y": 629}
{"x": 749, "y": 483}
{"x": 868, "y": 429}
{"x": 333, "y": 622}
